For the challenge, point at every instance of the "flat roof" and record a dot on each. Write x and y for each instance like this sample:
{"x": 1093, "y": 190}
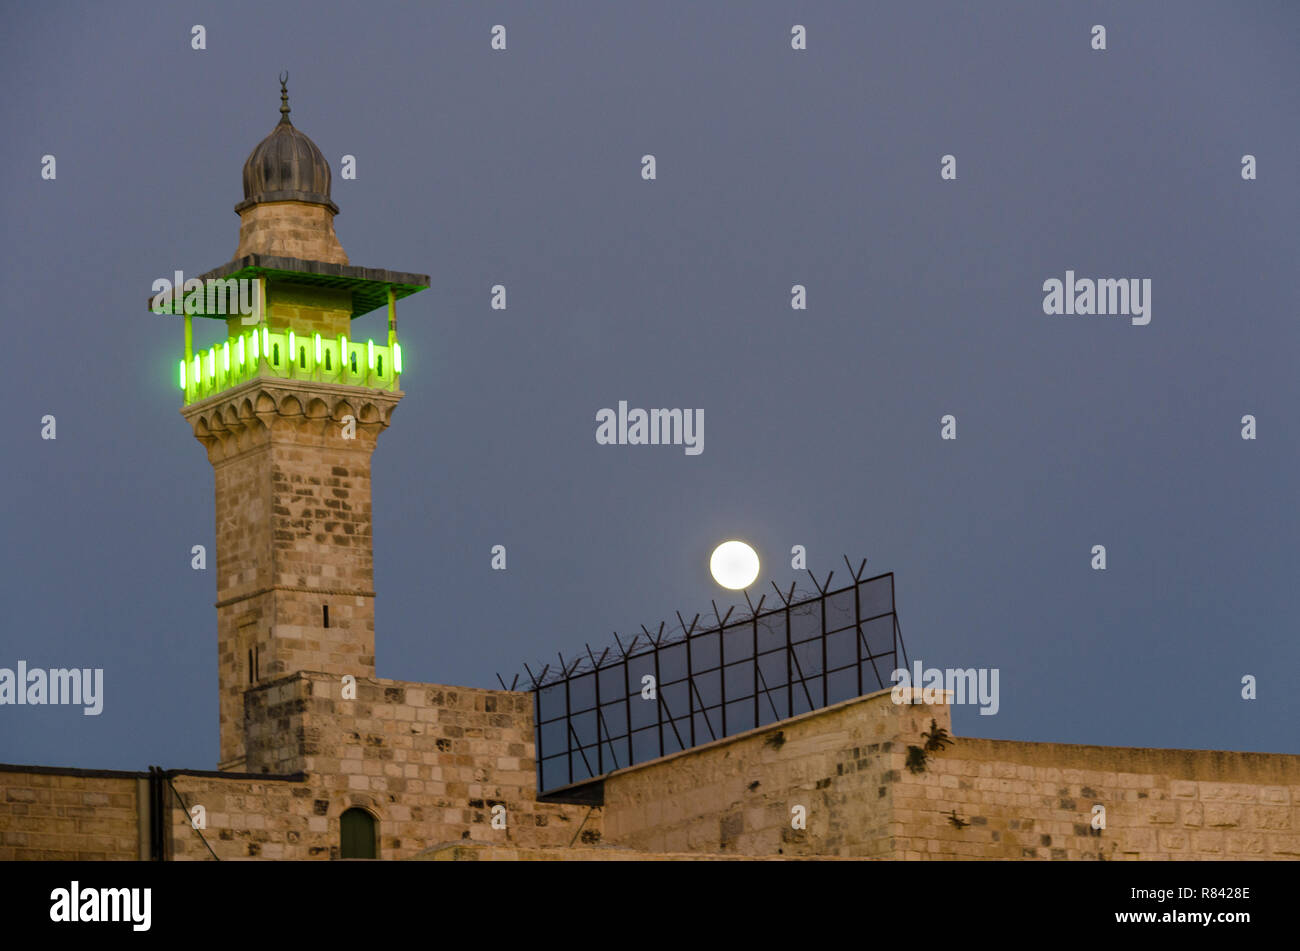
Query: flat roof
{"x": 368, "y": 286}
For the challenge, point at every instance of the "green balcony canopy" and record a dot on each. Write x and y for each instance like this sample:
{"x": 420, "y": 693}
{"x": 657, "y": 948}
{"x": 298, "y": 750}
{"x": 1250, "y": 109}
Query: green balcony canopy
{"x": 368, "y": 286}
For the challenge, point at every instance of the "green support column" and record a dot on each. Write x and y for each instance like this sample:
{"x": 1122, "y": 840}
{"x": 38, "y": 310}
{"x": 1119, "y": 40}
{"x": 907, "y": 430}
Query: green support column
{"x": 262, "y": 321}
{"x": 392, "y": 318}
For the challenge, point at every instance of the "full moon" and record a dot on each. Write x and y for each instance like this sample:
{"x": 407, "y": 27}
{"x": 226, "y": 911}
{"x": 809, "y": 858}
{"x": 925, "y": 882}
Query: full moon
{"x": 734, "y": 565}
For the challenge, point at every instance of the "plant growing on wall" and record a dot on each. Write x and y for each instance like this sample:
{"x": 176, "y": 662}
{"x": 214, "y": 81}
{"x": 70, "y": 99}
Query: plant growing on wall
{"x": 937, "y": 738}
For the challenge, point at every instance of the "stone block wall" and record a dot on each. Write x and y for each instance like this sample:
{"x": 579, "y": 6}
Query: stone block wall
{"x": 1035, "y": 801}
{"x": 840, "y": 764}
{"x": 304, "y": 309}
{"x": 51, "y": 814}
{"x": 293, "y": 533}
{"x": 248, "y": 819}
{"x": 290, "y": 229}
{"x": 428, "y": 761}
{"x": 975, "y": 799}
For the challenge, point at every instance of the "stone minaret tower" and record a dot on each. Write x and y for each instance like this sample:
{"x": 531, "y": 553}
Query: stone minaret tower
{"x": 290, "y": 407}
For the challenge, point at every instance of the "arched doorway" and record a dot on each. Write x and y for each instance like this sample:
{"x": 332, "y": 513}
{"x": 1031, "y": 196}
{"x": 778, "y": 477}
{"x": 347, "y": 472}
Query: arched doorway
{"x": 357, "y": 835}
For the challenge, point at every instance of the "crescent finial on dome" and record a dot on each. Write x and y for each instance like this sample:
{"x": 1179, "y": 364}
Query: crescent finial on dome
{"x": 284, "y": 96}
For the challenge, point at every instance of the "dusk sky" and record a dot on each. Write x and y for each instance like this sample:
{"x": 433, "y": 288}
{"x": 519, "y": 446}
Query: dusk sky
{"x": 774, "y": 167}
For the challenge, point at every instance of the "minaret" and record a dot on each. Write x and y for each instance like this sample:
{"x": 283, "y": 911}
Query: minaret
{"x": 290, "y": 408}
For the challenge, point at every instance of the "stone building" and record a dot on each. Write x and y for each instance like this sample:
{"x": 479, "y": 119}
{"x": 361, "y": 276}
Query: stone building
{"x": 321, "y": 759}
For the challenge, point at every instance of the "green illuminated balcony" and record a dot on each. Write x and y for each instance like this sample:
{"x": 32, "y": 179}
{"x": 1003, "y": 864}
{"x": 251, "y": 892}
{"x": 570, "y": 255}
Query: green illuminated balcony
{"x": 262, "y": 353}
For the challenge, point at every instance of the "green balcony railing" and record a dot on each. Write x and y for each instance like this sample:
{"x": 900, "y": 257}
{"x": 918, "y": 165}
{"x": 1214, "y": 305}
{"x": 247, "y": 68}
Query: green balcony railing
{"x": 285, "y": 355}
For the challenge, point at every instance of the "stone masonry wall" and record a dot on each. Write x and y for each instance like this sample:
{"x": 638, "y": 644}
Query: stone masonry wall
{"x": 1035, "y": 801}
{"x": 68, "y": 814}
{"x": 290, "y": 229}
{"x": 293, "y": 532}
{"x": 975, "y": 799}
{"x": 737, "y": 794}
{"x": 305, "y": 310}
{"x": 428, "y": 761}
{"x": 274, "y": 819}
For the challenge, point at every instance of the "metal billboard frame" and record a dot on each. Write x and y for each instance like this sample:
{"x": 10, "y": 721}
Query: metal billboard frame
{"x": 599, "y": 713}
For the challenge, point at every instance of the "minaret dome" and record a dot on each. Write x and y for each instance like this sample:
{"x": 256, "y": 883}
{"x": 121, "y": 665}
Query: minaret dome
{"x": 287, "y": 210}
